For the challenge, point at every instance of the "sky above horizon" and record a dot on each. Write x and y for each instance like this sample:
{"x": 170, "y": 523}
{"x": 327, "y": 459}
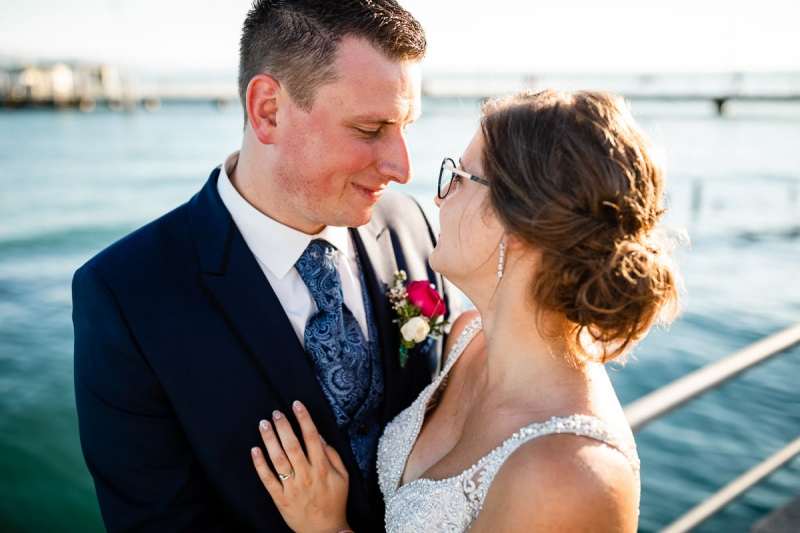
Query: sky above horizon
{"x": 514, "y": 36}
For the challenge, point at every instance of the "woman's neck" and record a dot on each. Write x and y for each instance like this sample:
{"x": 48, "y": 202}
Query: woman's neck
{"x": 523, "y": 366}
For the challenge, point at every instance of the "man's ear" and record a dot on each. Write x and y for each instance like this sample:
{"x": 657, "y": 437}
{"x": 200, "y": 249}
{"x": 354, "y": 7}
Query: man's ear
{"x": 262, "y": 107}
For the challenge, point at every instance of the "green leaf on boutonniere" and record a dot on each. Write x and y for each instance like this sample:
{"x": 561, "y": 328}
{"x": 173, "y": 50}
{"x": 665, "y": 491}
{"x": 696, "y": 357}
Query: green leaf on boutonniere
{"x": 403, "y": 356}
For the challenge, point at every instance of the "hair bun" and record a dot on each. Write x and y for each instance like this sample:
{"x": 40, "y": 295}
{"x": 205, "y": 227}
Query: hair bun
{"x": 572, "y": 175}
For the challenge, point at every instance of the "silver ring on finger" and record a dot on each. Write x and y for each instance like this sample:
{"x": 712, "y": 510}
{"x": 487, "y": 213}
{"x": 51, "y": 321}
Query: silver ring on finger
{"x": 284, "y": 477}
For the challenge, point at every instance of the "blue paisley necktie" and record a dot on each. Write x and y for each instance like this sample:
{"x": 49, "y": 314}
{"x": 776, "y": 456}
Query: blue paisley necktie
{"x": 333, "y": 338}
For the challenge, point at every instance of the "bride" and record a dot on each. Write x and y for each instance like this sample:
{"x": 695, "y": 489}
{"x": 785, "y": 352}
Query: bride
{"x": 548, "y": 227}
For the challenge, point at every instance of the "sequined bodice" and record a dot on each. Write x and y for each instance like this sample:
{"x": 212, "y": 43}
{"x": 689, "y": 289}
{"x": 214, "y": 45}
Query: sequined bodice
{"x": 452, "y": 504}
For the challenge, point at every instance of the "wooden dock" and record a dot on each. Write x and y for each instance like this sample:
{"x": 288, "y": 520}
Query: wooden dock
{"x": 720, "y": 101}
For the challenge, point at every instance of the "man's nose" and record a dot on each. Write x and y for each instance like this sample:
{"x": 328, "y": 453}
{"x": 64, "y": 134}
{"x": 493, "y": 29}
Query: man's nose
{"x": 395, "y": 161}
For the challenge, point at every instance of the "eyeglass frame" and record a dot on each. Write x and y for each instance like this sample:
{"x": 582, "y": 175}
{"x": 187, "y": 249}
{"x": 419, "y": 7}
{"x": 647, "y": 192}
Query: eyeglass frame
{"x": 458, "y": 172}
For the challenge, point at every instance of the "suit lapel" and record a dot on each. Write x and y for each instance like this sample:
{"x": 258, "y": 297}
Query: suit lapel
{"x": 374, "y": 246}
{"x": 255, "y": 313}
{"x": 236, "y": 284}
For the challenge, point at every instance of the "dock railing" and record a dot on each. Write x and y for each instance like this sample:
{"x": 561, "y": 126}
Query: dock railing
{"x": 662, "y": 401}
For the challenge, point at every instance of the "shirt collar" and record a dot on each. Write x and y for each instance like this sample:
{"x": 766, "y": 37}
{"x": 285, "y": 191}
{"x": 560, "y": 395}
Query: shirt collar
{"x": 275, "y": 245}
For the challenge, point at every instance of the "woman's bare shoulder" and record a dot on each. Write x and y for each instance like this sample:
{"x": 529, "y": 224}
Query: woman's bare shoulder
{"x": 562, "y": 483}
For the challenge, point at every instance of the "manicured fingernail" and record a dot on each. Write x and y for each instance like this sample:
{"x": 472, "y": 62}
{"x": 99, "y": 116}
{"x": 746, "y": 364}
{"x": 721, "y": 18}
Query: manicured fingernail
{"x": 323, "y": 440}
{"x": 264, "y": 425}
{"x": 276, "y": 415}
{"x": 297, "y": 406}
{"x": 255, "y": 452}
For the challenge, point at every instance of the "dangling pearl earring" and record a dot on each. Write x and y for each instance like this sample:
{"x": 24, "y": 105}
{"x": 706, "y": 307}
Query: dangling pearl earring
{"x": 501, "y": 260}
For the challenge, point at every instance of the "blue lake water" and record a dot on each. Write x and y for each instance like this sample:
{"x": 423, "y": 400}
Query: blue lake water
{"x": 72, "y": 183}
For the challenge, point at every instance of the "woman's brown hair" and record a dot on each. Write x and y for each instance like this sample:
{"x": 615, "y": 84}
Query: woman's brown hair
{"x": 572, "y": 176}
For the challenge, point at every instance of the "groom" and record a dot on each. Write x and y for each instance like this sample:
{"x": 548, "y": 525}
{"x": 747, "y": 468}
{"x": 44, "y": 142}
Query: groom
{"x": 267, "y": 286}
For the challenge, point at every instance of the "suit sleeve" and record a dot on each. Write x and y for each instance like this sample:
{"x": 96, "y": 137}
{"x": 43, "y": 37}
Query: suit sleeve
{"x": 145, "y": 474}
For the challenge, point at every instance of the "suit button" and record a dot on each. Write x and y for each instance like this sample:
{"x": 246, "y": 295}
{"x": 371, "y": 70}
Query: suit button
{"x": 362, "y": 430}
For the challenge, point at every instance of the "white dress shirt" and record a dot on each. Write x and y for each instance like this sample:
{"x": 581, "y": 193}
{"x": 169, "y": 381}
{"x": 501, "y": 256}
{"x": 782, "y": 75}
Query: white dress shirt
{"x": 277, "y": 248}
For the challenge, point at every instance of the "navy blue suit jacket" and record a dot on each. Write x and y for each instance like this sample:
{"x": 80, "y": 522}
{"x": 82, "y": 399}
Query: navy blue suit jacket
{"x": 181, "y": 347}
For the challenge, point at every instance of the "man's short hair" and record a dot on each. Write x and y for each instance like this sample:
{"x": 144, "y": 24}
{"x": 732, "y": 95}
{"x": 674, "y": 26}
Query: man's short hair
{"x": 295, "y": 41}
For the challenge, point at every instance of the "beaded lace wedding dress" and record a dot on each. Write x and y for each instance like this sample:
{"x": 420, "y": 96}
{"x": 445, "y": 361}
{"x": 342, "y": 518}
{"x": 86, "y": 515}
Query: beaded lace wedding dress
{"x": 453, "y": 504}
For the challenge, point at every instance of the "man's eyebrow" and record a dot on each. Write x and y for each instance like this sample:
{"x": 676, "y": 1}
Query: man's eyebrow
{"x": 378, "y": 119}
{"x": 373, "y": 118}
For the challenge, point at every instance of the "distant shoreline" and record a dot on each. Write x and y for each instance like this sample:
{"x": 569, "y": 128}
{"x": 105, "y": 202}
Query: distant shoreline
{"x": 719, "y": 101}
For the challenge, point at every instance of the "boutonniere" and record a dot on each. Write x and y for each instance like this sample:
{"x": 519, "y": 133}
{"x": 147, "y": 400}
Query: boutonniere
{"x": 420, "y": 312}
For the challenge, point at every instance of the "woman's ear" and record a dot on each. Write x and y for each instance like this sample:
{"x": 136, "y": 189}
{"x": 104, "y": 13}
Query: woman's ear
{"x": 261, "y": 99}
{"x": 513, "y": 242}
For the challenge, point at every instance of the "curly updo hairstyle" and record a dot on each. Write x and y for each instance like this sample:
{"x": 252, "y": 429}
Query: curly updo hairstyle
{"x": 572, "y": 176}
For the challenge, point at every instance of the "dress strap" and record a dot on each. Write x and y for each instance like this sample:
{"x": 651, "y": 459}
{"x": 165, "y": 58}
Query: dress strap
{"x": 466, "y": 336}
{"x": 476, "y": 480}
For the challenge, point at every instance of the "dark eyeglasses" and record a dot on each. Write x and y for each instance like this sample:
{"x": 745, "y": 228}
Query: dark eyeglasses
{"x": 448, "y": 173}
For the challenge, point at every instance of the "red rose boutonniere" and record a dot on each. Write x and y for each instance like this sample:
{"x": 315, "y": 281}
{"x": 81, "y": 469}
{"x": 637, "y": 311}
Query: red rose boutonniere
{"x": 420, "y": 312}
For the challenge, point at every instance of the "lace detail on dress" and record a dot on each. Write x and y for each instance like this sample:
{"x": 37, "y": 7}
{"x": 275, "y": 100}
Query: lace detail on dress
{"x": 475, "y": 481}
{"x": 452, "y": 504}
{"x": 400, "y": 434}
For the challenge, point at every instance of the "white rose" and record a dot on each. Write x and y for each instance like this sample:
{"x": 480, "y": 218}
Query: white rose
{"x": 415, "y": 329}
